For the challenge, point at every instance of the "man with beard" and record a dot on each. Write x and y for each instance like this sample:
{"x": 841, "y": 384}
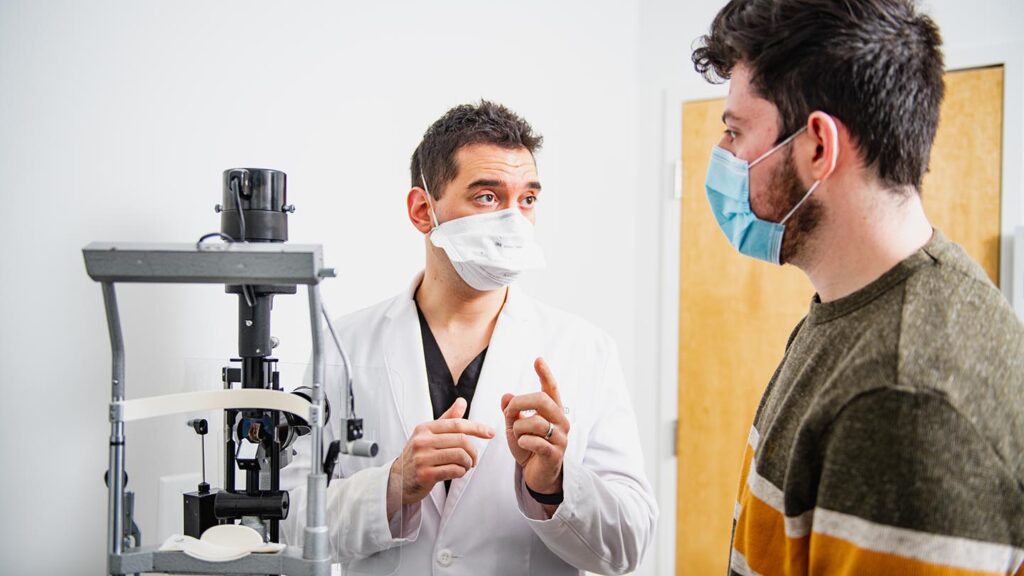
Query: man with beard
{"x": 891, "y": 438}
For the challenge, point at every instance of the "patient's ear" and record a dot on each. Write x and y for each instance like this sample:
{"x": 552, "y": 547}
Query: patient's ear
{"x": 824, "y": 132}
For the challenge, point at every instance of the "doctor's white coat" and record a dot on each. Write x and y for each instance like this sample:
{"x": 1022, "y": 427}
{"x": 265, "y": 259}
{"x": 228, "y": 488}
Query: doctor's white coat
{"x": 487, "y": 524}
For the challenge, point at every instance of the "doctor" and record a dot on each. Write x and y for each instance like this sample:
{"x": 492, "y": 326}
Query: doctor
{"x": 508, "y": 443}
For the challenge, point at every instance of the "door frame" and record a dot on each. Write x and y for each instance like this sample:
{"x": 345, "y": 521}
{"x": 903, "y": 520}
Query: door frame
{"x": 1010, "y": 55}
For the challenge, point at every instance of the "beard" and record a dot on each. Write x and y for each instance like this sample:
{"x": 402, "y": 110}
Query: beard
{"x": 788, "y": 190}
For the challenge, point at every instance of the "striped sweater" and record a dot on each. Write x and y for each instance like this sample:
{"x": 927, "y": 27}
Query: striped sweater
{"x": 891, "y": 438}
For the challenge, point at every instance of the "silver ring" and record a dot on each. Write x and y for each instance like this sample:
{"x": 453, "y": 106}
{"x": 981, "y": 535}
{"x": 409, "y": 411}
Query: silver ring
{"x": 551, "y": 430}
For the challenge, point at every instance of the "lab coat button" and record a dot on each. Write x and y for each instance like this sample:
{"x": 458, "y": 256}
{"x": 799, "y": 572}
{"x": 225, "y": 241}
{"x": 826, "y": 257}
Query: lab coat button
{"x": 444, "y": 558}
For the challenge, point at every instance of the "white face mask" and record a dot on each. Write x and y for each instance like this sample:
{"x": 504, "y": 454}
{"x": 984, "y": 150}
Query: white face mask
{"x": 490, "y": 250}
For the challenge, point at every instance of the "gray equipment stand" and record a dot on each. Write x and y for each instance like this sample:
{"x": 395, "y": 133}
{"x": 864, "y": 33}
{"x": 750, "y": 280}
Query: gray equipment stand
{"x": 235, "y": 264}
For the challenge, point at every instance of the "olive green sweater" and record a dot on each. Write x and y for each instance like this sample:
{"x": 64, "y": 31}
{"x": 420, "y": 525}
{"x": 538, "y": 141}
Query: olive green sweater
{"x": 891, "y": 438}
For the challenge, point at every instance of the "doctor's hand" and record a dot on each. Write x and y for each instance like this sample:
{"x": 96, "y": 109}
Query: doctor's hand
{"x": 437, "y": 451}
{"x": 538, "y": 441}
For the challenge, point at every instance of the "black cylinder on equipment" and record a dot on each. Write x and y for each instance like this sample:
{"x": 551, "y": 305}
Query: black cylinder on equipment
{"x": 268, "y": 505}
{"x": 254, "y": 327}
{"x": 262, "y": 195}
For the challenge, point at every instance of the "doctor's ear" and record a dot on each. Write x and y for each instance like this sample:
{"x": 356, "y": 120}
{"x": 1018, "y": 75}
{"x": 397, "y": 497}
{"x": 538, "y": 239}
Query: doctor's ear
{"x": 824, "y": 132}
{"x": 419, "y": 210}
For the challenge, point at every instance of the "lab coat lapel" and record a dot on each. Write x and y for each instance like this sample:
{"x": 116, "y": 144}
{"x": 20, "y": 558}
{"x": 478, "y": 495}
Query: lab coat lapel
{"x": 508, "y": 368}
{"x": 407, "y": 371}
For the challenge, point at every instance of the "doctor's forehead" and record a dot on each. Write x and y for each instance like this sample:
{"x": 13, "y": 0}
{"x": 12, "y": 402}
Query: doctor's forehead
{"x": 506, "y": 164}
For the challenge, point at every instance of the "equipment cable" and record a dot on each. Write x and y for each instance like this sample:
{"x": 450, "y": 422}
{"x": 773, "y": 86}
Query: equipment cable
{"x": 351, "y": 402}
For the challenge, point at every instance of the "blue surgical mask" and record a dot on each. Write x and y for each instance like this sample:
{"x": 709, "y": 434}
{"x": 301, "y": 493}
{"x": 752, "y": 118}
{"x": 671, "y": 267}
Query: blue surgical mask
{"x": 728, "y": 189}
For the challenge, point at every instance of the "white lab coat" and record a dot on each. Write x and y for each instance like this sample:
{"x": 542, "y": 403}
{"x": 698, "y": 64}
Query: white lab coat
{"x": 487, "y": 524}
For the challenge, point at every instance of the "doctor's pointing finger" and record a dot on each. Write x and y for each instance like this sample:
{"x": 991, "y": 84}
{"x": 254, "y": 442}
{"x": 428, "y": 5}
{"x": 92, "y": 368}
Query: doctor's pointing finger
{"x": 537, "y": 433}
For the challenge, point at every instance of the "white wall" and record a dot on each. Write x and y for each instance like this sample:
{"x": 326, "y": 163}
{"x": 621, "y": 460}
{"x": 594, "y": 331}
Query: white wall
{"x": 116, "y": 120}
{"x": 668, "y": 29}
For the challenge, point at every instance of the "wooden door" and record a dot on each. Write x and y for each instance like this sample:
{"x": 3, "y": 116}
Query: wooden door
{"x": 736, "y": 313}
{"x": 962, "y": 190}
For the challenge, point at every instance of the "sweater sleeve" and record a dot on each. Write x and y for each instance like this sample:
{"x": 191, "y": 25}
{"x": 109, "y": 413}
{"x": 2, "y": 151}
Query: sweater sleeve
{"x": 909, "y": 486}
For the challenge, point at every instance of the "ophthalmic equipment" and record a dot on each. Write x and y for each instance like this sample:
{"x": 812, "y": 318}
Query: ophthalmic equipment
{"x": 262, "y": 422}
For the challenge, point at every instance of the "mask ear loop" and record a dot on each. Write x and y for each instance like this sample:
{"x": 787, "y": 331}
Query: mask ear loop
{"x": 835, "y": 159}
{"x": 777, "y": 146}
{"x": 802, "y": 200}
{"x": 430, "y": 202}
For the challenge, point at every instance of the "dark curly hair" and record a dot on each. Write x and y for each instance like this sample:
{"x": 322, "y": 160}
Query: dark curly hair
{"x": 876, "y": 65}
{"x": 483, "y": 123}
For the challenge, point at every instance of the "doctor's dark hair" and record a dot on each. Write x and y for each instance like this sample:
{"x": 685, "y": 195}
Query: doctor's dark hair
{"x": 483, "y": 123}
{"x": 876, "y": 65}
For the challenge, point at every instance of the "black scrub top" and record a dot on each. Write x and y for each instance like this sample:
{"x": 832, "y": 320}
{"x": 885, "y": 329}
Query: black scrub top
{"x": 443, "y": 390}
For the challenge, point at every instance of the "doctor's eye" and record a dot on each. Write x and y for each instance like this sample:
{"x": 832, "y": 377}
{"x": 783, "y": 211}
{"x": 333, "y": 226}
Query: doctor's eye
{"x": 731, "y": 134}
{"x": 486, "y": 198}
{"x": 529, "y": 200}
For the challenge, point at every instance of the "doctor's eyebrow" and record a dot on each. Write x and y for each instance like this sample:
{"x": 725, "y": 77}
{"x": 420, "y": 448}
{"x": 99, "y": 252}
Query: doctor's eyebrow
{"x": 483, "y": 183}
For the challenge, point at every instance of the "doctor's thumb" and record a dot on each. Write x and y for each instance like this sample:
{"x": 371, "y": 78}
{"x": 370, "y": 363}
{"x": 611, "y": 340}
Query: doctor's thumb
{"x": 456, "y": 410}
